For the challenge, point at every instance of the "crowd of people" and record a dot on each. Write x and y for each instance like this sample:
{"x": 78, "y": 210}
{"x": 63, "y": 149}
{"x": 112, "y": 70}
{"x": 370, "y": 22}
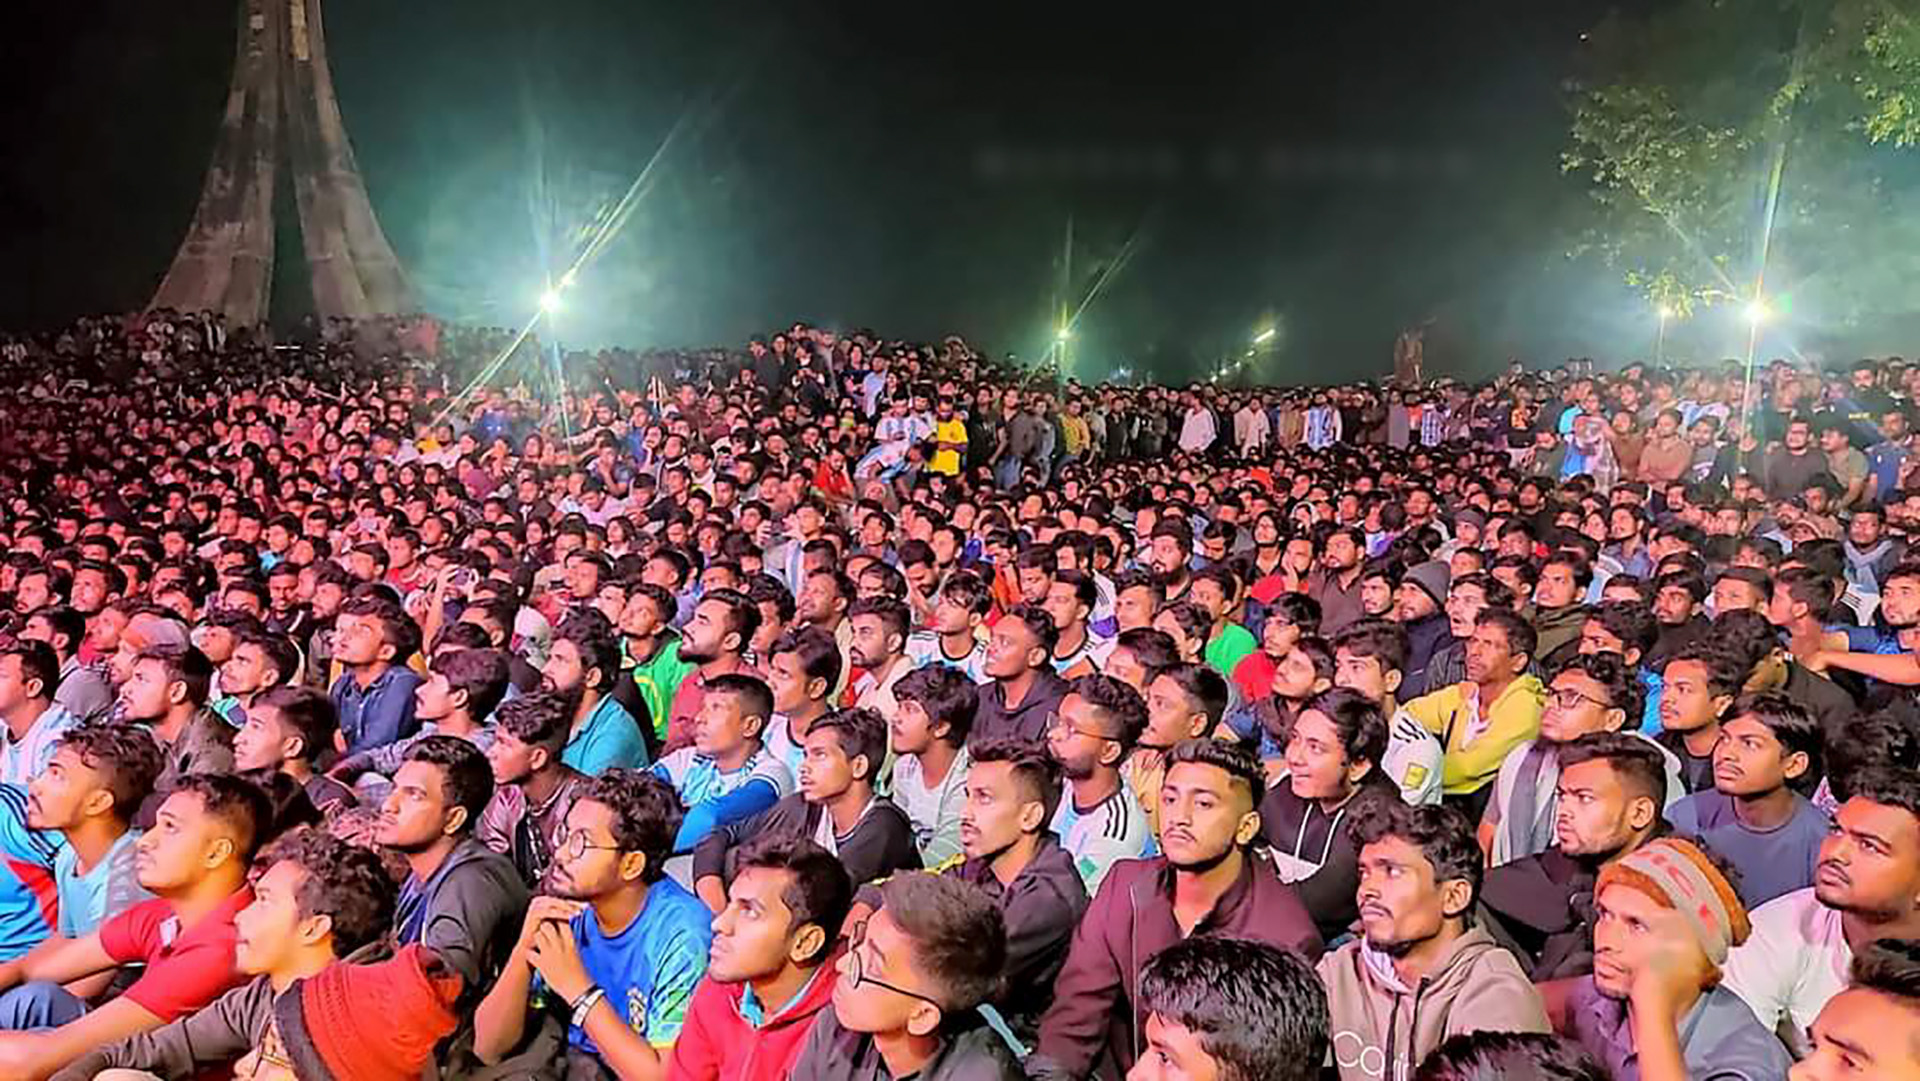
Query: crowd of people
{"x": 850, "y": 709}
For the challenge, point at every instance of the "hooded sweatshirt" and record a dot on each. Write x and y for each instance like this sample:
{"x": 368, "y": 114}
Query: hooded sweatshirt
{"x": 1381, "y": 1028}
{"x": 1314, "y": 850}
{"x": 719, "y": 1042}
{"x": 468, "y": 912}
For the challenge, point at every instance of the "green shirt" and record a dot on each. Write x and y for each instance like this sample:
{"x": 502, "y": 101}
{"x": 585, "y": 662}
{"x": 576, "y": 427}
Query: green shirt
{"x": 1229, "y": 647}
{"x": 658, "y": 679}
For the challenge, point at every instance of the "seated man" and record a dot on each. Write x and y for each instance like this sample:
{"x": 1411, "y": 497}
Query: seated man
{"x": 1100, "y": 822}
{"x": 461, "y": 900}
{"x": 286, "y": 729}
{"x": 1654, "y": 1007}
{"x": 727, "y": 775}
{"x": 166, "y": 690}
{"x": 836, "y": 807}
{"x": 615, "y": 949}
{"x": 1419, "y": 872}
{"x": 320, "y": 900}
{"x": 462, "y": 689}
{"x": 1014, "y": 857}
{"x": 31, "y": 722}
{"x": 909, "y": 985}
{"x": 526, "y": 820}
{"x": 89, "y": 792}
{"x": 585, "y": 663}
{"x": 1872, "y": 1029}
{"x": 1480, "y": 721}
{"x": 929, "y": 739}
{"x": 1757, "y": 814}
{"x": 195, "y": 863}
{"x": 770, "y": 973}
{"x": 1209, "y": 819}
{"x": 1233, "y": 1010}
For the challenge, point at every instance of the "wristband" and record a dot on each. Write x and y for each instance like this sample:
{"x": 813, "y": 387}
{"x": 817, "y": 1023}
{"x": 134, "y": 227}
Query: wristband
{"x": 584, "y": 1005}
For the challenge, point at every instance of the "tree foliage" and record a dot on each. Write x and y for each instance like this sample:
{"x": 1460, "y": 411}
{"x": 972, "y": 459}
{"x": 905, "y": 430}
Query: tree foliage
{"x": 1695, "y": 127}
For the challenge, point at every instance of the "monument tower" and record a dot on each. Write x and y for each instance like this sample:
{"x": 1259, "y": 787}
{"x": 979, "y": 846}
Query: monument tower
{"x": 281, "y": 111}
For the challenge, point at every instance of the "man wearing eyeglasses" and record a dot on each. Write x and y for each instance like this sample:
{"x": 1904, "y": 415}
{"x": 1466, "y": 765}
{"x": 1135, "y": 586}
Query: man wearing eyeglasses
{"x": 1592, "y": 692}
{"x": 1090, "y": 735}
{"x": 614, "y": 947}
{"x": 910, "y": 983}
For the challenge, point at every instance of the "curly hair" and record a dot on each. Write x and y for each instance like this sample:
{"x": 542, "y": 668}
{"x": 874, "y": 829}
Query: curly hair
{"x": 344, "y": 882}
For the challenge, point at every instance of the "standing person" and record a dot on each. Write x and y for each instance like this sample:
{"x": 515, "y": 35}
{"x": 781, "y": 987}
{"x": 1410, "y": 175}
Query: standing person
{"x": 526, "y": 820}
{"x": 909, "y": 984}
{"x": 1419, "y": 876}
{"x": 1654, "y": 1007}
{"x": 1230, "y": 1009}
{"x": 770, "y": 972}
{"x": 928, "y": 736}
{"x": 461, "y": 899}
{"x": 616, "y": 947}
{"x": 1206, "y": 875}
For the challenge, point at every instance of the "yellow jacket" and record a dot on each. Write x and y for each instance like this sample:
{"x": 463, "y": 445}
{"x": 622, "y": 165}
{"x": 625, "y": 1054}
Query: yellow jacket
{"x": 1476, "y": 744}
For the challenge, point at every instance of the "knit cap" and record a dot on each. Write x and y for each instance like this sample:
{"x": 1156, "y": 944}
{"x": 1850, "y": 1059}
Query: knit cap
{"x": 376, "y": 1022}
{"x": 1677, "y": 875}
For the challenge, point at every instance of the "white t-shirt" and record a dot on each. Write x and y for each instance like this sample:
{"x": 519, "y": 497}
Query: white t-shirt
{"x": 934, "y": 812}
{"x": 1795, "y": 960}
{"x": 923, "y": 648}
{"x": 1113, "y": 829}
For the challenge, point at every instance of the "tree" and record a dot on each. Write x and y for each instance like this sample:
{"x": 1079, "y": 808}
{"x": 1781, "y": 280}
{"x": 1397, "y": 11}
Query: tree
{"x": 1740, "y": 145}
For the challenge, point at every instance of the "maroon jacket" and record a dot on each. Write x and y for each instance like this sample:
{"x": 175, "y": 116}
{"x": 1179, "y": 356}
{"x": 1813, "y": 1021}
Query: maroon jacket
{"x": 1093, "y": 1021}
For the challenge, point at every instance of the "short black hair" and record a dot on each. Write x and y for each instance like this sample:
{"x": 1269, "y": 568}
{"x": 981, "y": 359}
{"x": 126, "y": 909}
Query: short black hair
{"x": 344, "y": 882}
{"x": 1122, "y": 706}
{"x": 860, "y": 732}
{"x": 646, "y": 814}
{"x": 1202, "y": 685}
{"x": 1443, "y": 835}
{"x": 37, "y": 661}
{"x": 1038, "y": 623}
{"x": 752, "y": 692}
{"x": 241, "y": 805}
{"x": 958, "y": 936}
{"x": 947, "y": 695}
{"x": 1797, "y": 729}
{"x": 539, "y": 719}
{"x": 1887, "y": 787}
{"x": 1891, "y": 967}
{"x": 1521, "y": 637}
{"x": 743, "y": 613}
{"x": 465, "y": 776}
{"x": 1385, "y": 641}
{"x": 127, "y": 758}
{"x": 309, "y": 714}
{"x": 820, "y": 891}
{"x": 1358, "y": 720}
{"x": 1153, "y": 649}
{"x": 483, "y": 673}
{"x": 1501, "y": 1056}
{"x": 592, "y": 634}
{"x": 1235, "y": 759}
{"x": 1259, "y": 1011}
{"x": 183, "y": 664}
{"x": 1634, "y": 624}
{"x": 1625, "y": 692}
{"x": 1032, "y": 768}
{"x": 817, "y": 651}
{"x": 1639, "y": 764}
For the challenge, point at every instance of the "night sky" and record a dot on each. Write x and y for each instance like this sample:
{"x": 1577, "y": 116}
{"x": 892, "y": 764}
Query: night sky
{"x": 1345, "y": 169}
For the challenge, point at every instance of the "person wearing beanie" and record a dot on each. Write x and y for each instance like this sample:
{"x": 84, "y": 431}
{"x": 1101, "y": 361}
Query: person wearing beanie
{"x": 613, "y": 949}
{"x": 1654, "y": 1008}
{"x": 320, "y": 900}
{"x": 770, "y": 972}
{"x": 1419, "y": 603}
{"x": 378, "y": 1022}
{"x": 195, "y": 863}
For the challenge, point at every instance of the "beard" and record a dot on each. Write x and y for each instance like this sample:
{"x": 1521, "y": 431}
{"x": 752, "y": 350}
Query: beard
{"x": 698, "y": 654}
{"x": 1205, "y": 863}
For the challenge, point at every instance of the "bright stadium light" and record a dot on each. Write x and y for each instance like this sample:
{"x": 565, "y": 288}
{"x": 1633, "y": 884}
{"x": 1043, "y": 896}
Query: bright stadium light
{"x": 1264, "y": 336}
{"x": 550, "y": 301}
{"x": 1758, "y": 312}
{"x": 1063, "y": 334}
{"x": 1666, "y": 312}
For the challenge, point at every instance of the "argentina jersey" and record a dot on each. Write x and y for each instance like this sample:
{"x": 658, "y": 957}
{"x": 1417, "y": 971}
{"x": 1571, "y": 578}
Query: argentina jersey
{"x": 1113, "y": 829}
{"x": 29, "y": 899}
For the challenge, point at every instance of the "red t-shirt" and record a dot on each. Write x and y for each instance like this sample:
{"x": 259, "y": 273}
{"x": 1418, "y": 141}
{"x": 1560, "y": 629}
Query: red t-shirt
{"x": 187, "y": 968}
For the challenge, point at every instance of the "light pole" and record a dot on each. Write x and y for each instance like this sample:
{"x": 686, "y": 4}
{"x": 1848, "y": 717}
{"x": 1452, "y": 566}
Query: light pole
{"x": 1660, "y": 345}
{"x": 1757, "y": 313}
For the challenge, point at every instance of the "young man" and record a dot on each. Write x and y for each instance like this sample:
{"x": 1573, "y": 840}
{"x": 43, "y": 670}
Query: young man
{"x": 1025, "y": 692}
{"x": 320, "y": 900}
{"x": 1184, "y": 700}
{"x": 714, "y": 641}
{"x": 195, "y": 863}
{"x": 1206, "y": 874}
{"x": 1481, "y": 721}
{"x": 836, "y": 807}
{"x": 1872, "y": 1029}
{"x": 462, "y": 689}
{"x": 1218, "y": 591}
{"x": 1866, "y": 887}
{"x": 1654, "y": 1007}
{"x": 1757, "y": 814}
{"x": 260, "y": 661}
{"x": 1099, "y": 722}
{"x": 90, "y": 792}
{"x": 374, "y": 639}
{"x": 929, "y": 740}
{"x": 167, "y": 691}
{"x": 287, "y": 729}
{"x": 585, "y": 663}
{"x": 1369, "y": 658}
{"x": 32, "y": 722}
{"x": 533, "y": 789}
{"x": 1070, "y": 601}
{"x": 1591, "y": 693}
{"x": 904, "y": 1004}
{"x": 651, "y": 648}
{"x": 616, "y": 946}
{"x": 1607, "y": 803}
{"x": 879, "y": 641}
{"x": 1233, "y": 1010}
{"x": 1304, "y": 671}
{"x": 770, "y": 974}
{"x": 1697, "y": 687}
{"x": 727, "y": 775}
{"x": 954, "y": 638}
{"x": 802, "y": 669}
{"x": 1558, "y": 611}
{"x": 461, "y": 899}
{"x": 1419, "y": 878}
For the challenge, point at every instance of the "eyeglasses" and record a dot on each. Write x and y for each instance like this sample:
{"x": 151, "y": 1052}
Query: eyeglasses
{"x": 856, "y": 974}
{"x": 1568, "y": 698}
{"x": 576, "y": 845}
{"x": 1058, "y": 723}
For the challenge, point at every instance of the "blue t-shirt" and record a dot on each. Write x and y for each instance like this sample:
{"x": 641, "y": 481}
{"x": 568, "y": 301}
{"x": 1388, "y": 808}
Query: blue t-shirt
{"x": 648, "y": 970}
{"x": 110, "y": 888}
{"x": 715, "y": 797}
{"x": 1771, "y": 862}
{"x": 27, "y": 891}
{"x": 610, "y": 738}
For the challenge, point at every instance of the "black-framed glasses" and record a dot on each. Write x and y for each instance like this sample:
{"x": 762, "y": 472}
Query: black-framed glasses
{"x": 856, "y": 970}
{"x": 1568, "y": 698}
{"x": 1056, "y": 721}
{"x": 576, "y": 845}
